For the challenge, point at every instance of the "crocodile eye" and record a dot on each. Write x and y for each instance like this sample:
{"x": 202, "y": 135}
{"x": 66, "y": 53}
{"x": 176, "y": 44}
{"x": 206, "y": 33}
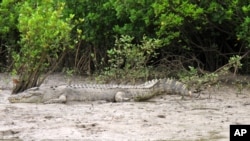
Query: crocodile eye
{"x": 34, "y": 88}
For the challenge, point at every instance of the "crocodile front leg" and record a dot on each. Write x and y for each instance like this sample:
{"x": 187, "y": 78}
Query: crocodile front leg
{"x": 122, "y": 97}
{"x": 61, "y": 99}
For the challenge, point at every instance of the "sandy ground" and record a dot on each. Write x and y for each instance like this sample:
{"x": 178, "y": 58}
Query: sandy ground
{"x": 162, "y": 118}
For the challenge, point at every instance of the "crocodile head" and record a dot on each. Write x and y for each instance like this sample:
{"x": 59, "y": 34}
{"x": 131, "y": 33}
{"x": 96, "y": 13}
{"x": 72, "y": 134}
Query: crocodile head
{"x": 32, "y": 95}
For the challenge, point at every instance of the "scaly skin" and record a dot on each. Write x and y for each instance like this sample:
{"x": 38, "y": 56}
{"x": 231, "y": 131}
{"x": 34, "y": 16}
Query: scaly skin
{"x": 112, "y": 93}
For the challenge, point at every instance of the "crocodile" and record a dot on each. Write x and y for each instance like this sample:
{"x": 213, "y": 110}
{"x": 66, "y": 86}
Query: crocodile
{"x": 103, "y": 92}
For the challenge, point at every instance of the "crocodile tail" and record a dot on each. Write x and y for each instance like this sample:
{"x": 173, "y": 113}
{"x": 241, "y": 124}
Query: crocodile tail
{"x": 173, "y": 86}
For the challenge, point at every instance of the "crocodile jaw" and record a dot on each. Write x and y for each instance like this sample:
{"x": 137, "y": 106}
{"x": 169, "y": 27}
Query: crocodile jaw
{"x": 25, "y": 97}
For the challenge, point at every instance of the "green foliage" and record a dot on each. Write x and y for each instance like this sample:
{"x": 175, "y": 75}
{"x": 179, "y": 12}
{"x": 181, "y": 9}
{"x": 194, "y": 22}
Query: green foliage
{"x": 194, "y": 77}
{"x": 200, "y": 80}
{"x": 45, "y": 35}
{"x": 8, "y": 31}
{"x": 8, "y": 16}
{"x": 69, "y": 74}
{"x": 171, "y": 16}
{"x": 244, "y": 31}
{"x": 128, "y": 60}
{"x": 205, "y": 33}
{"x": 134, "y": 18}
{"x": 186, "y": 28}
{"x": 98, "y": 19}
{"x": 234, "y": 62}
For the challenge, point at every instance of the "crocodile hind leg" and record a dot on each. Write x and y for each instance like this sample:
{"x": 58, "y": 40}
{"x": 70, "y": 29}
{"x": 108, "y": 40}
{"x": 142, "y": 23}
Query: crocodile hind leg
{"x": 61, "y": 99}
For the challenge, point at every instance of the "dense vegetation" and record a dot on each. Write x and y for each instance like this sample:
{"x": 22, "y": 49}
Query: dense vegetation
{"x": 122, "y": 38}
